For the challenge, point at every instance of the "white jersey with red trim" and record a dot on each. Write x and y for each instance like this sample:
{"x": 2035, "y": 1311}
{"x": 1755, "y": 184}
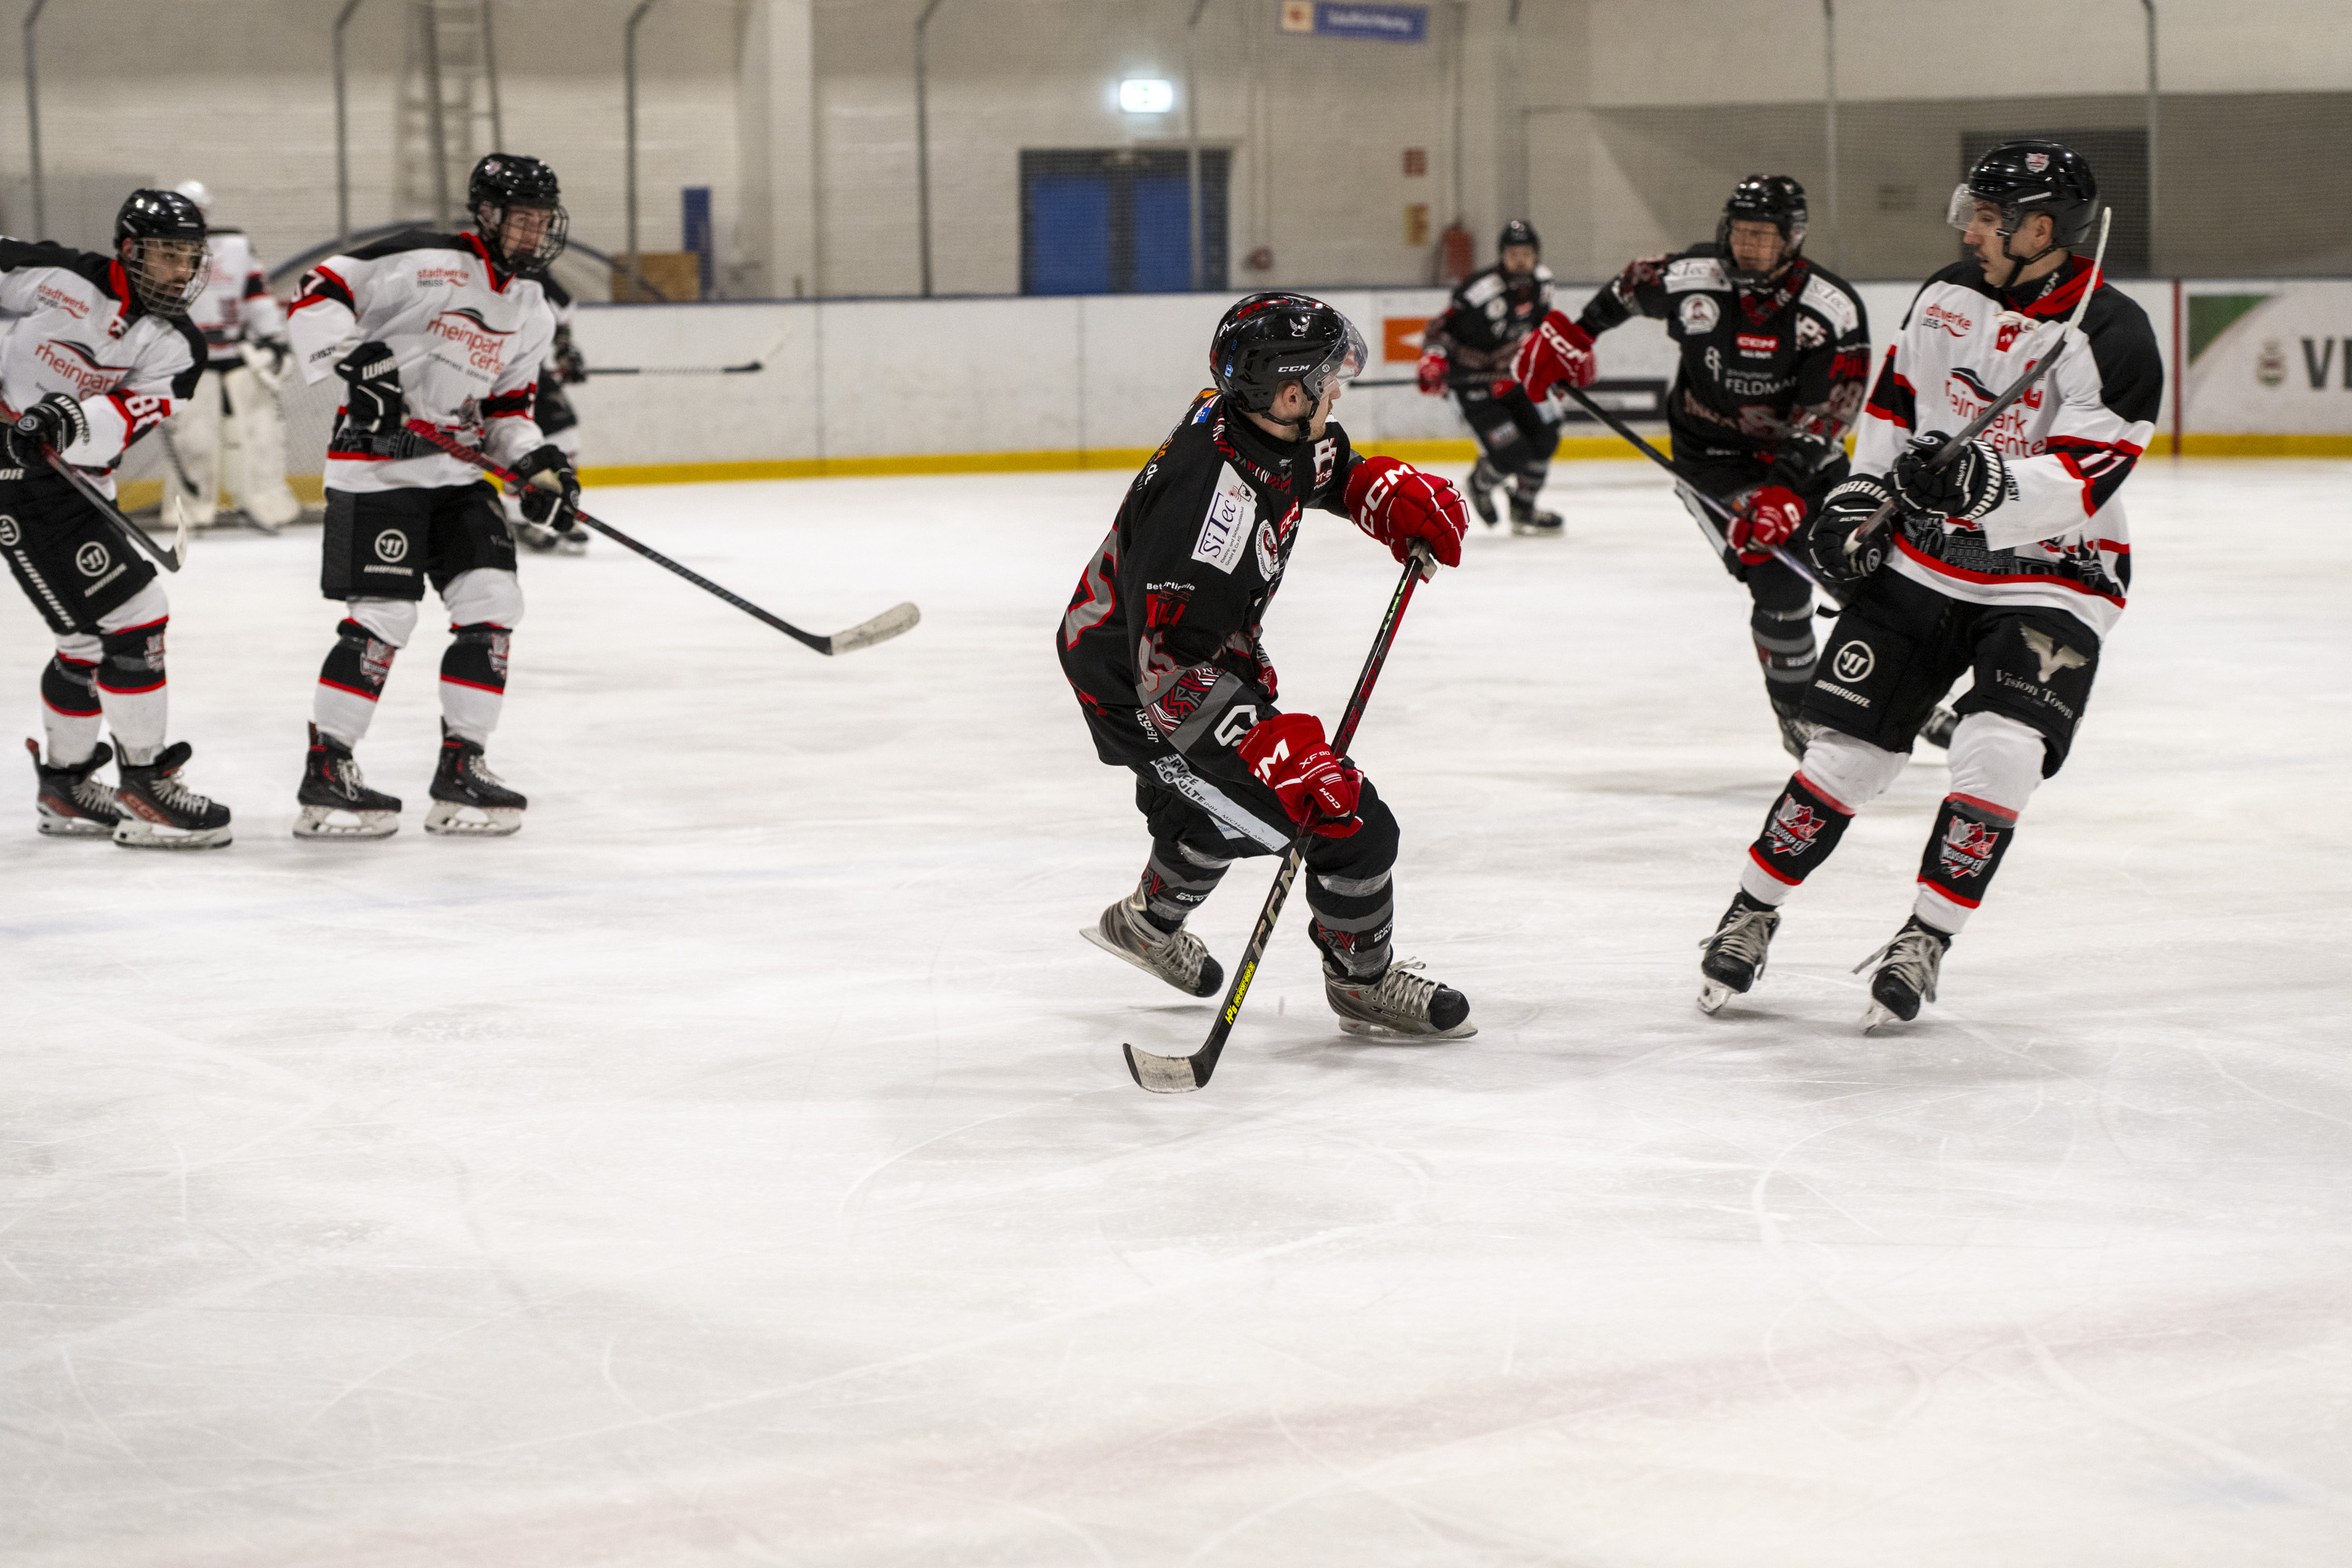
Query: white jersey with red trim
{"x": 469, "y": 340}
{"x": 80, "y": 330}
{"x": 237, "y": 303}
{"x": 2058, "y": 539}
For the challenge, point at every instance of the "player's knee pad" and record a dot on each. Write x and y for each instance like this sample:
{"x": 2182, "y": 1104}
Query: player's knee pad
{"x": 486, "y": 593}
{"x": 132, "y": 659}
{"x": 70, "y": 685}
{"x": 1848, "y": 773}
{"x": 478, "y": 656}
{"x": 391, "y": 621}
{"x": 1996, "y": 760}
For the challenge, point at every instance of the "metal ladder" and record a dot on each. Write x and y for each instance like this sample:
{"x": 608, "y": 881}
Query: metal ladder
{"x": 449, "y": 112}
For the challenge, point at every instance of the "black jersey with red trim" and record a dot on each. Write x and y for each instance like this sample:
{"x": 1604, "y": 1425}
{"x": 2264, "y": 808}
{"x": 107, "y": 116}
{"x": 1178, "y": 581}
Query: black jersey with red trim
{"x": 1778, "y": 373}
{"x": 469, "y": 337}
{"x": 2059, "y": 540}
{"x": 80, "y": 330}
{"x": 1161, "y": 637}
{"x": 1482, "y": 325}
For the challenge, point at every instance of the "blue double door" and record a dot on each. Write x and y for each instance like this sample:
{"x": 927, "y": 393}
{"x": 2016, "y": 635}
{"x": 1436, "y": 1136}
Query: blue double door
{"x": 1119, "y": 221}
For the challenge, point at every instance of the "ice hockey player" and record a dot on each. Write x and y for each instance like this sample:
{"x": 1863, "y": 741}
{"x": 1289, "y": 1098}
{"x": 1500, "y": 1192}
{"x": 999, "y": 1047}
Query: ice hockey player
{"x": 1161, "y": 643}
{"x": 100, "y": 352}
{"x": 1467, "y": 352}
{"x": 556, "y": 419}
{"x": 450, "y": 328}
{"x": 2012, "y": 562}
{"x": 1775, "y": 351}
{"x": 244, "y": 332}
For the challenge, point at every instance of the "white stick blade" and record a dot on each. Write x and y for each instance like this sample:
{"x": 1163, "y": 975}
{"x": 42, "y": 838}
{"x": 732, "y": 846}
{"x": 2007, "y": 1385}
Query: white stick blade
{"x": 895, "y": 622}
{"x": 1162, "y": 1075}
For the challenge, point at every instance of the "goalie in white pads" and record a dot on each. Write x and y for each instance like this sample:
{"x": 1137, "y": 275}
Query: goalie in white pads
{"x": 245, "y": 337}
{"x": 450, "y": 328}
{"x": 100, "y": 352}
{"x": 2011, "y": 561}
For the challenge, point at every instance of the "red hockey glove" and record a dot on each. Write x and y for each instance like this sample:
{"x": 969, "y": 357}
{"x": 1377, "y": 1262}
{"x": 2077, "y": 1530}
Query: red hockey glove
{"x": 1396, "y": 503}
{"x": 1430, "y": 373}
{"x": 1770, "y": 519}
{"x": 1288, "y": 755}
{"x": 1556, "y": 351}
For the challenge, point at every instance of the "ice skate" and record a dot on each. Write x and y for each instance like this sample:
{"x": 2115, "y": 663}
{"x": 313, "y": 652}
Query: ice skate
{"x": 1178, "y": 957}
{"x": 1480, "y": 489}
{"x": 1905, "y": 975}
{"x": 1938, "y": 731}
{"x": 159, "y": 811}
{"x": 1736, "y": 952}
{"x": 469, "y": 800}
{"x": 336, "y": 801}
{"x": 72, "y": 803}
{"x": 1796, "y": 734}
{"x": 1528, "y": 521}
{"x": 1400, "y": 1001}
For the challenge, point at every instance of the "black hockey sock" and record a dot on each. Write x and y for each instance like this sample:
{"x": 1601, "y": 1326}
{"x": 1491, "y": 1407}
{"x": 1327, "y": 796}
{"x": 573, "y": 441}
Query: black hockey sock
{"x": 1176, "y": 879}
{"x": 359, "y": 661}
{"x": 1801, "y": 831}
{"x": 1353, "y": 918}
{"x": 1962, "y": 854}
{"x": 1786, "y": 648}
{"x": 70, "y": 687}
{"x": 478, "y": 656}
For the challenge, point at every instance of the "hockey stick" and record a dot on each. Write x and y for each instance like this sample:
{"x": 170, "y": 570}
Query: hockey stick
{"x": 1181, "y": 1075}
{"x": 749, "y": 367}
{"x": 136, "y": 536}
{"x": 889, "y": 623}
{"x": 1713, "y": 536}
{"x": 2034, "y": 370}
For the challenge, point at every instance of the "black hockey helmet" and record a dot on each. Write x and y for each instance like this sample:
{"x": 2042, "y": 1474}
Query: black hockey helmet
{"x": 2023, "y": 178}
{"x": 1519, "y": 231}
{"x": 1776, "y": 199}
{"x": 151, "y": 228}
{"x": 506, "y": 182}
{"x": 1266, "y": 340}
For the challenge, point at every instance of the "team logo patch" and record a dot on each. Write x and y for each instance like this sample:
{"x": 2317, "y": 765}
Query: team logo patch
{"x": 1758, "y": 343}
{"x": 391, "y": 545}
{"x": 1811, "y": 333}
{"x": 1268, "y": 546}
{"x": 1966, "y": 848}
{"x": 2037, "y": 162}
{"x": 1225, "y": 532}
{"x": 1854, "y": 661}
{"x": 2051, "y": 654}
{"x": 1699, "y": 315}
{"x": 9, "y": 532}
{"x": 91, "y": 559}
{"x": 1793, "y": 828}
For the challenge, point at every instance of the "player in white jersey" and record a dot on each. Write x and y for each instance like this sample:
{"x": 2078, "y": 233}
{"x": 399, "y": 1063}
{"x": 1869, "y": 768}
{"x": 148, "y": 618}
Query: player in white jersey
{"x": 101, "y": 351}
{"x": 2011, "y": 561}
{"x": 450, "y": 328}
{"x": 244, "y": 332}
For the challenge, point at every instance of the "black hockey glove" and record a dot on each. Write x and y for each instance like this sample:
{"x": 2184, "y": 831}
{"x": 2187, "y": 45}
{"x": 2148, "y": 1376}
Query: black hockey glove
{"x": 570, "y": 364}
{"x": 1973, "y": 482}
{"x": 372, "y": 399}
{"x": 557, "y": 508}
{"x": 1840, "y": 552}
{"x": 56, "y": 422}
{"x": 270, "y": 355}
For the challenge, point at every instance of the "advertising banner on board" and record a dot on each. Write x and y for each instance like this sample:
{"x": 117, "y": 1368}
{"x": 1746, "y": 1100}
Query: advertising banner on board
{"x": 2270, "y": 357}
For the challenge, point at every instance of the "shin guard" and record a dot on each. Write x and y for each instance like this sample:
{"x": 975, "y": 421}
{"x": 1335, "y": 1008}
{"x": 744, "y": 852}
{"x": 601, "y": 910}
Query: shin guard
{"x": 1803, "y": 826}
{"x": 351, "y": 681}
{"x": 1972, "y": 835}
{"x": 70, "y": 709}
{"x": 474, "y": 678}
{"x": 130, "y": 688}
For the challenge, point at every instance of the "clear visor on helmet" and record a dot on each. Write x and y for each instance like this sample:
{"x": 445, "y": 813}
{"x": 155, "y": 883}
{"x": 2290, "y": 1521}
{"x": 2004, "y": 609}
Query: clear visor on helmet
{"x": 1344, "y": 362}
{"x": 1964, "y": 207}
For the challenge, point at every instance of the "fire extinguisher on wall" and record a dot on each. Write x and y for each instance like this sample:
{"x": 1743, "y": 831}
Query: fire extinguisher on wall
{"x": 1455, "y": 252}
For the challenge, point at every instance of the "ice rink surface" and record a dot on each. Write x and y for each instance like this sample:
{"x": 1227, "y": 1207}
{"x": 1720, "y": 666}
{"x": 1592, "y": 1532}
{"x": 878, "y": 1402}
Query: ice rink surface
{"x": 738, "y": 1166}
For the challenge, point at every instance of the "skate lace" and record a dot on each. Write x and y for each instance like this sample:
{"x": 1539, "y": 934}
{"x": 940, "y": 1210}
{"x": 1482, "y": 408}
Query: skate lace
{"x": 168, "y": 789}
{"x": 477, "y": 767}
{"x": 92, "y": 796}
{"x": 1402, "y": 991}
{"x": 1745, "y": 934}
{"x": 1914, "y": 957}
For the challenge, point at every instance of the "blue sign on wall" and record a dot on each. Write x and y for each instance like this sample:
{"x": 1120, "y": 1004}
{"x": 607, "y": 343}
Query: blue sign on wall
{"x": 1389, "y": 24}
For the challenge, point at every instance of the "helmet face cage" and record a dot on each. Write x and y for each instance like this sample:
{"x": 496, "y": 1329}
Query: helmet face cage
{"x": 506, "y": 182}
{"x": 149, "y": 224}
{"x": 162, "y": 297}
{"x": 490, "y": 221}
{"x": 1775, "y": 199}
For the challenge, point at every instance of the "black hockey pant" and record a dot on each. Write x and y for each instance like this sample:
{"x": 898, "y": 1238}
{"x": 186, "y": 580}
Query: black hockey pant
{"x": 1514, "y": 439}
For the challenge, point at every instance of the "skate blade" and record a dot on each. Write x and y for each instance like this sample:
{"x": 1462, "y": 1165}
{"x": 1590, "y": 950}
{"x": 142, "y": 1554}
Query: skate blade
{"x": 1713, "y": 994}
{"x": 1094, "y": 934}
{"x": 53, "y": 825}
{"x": 133, "y": 833}
{"x": 320, "y": 822}
{"x": 1461, "y": 1031}
{"x": 1522, "y": 531}
{"x": 1881, "y": 1016}
{"x": 448, "y": 819}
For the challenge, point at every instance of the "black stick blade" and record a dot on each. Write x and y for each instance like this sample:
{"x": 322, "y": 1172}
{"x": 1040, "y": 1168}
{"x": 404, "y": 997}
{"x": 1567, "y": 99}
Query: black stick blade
{"x": 1162, "y": 1075}
{"x": 896, "y": 621}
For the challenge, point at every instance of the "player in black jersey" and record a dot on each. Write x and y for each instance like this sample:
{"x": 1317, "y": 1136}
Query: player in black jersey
{"x": 1161, "y": 642}
{"x": 1775, "y": 358}
{"x": 1467, "y": 352}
